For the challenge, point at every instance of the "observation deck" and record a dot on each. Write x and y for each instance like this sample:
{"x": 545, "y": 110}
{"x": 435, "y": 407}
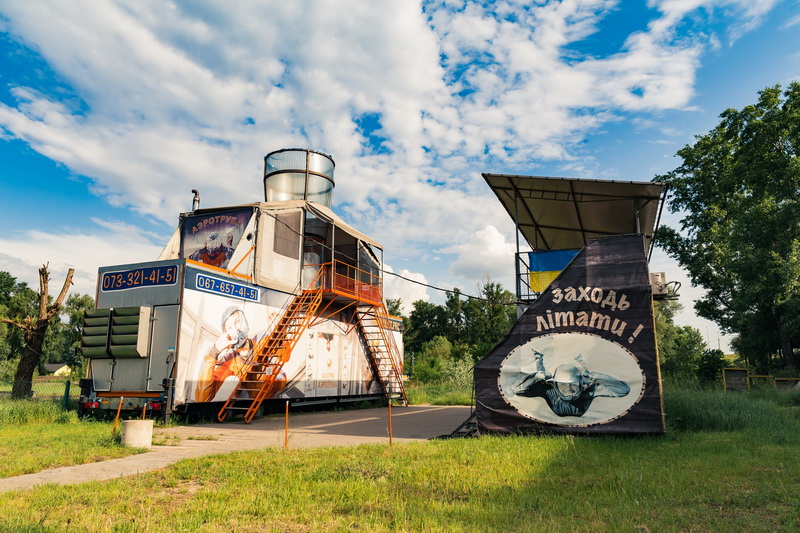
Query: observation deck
{"x": 345, "y": 283}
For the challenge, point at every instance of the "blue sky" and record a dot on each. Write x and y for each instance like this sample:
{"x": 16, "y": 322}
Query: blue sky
{"x": 111, "y": 112}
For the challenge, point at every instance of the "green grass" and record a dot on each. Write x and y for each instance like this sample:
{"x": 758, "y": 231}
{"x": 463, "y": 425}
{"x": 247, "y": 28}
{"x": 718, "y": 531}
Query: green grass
{"x": 16, "y": 412}
{"x": 37, "y": 435}
{"x": 727, "y": 463}
{"x": 708, "y": 481}
{"x": 762, "y": 415}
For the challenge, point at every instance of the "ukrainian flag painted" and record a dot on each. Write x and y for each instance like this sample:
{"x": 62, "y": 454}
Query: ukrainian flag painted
{"x": 546, "y": 266}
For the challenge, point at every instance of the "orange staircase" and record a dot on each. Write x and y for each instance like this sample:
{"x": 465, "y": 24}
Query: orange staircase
{"x": 261, "y": 379}
{"x": 375, "y": 328}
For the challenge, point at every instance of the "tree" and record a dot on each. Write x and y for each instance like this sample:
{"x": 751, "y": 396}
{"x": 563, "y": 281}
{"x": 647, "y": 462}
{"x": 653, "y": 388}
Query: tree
{"x": 738, "y": 190}
{"x": 683, "y": 362}
{"x": 666, "y": 330}
{"x": 680, "y": 348}
{"x": 427, "y": 321}
{"x": 489, "y": 318}
{"x": 471, "y": 325}
{"x": 16, "y": 300}
{"x": 432, "y": 360}
{"x": 34, "y": 329}
{"x": 67, "y": 334}
{"x": 710, "y": 365}
{"x": 394, "y": 306}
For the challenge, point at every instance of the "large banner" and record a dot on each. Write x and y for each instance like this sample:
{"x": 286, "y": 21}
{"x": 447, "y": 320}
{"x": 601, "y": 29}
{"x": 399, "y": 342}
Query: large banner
{"x": 582, "y": 358}
{"x": 212, "y": 238}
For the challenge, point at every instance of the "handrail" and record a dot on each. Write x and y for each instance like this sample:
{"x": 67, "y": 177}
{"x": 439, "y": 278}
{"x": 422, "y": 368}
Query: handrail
{"x": 347, "y": 280}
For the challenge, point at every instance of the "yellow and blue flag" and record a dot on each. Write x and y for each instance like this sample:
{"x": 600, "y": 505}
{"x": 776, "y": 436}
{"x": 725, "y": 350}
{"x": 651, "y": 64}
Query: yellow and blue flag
{"x": 546, "y": 266}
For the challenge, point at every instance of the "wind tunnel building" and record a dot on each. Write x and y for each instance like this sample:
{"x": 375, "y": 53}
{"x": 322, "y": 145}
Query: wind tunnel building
{"x": 582, "y": 356}
{"x": 248, "y": 305}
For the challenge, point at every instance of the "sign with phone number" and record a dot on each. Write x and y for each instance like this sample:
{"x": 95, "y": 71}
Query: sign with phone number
{"x": 227, "y": 288}
{"x": 139, "y": 277}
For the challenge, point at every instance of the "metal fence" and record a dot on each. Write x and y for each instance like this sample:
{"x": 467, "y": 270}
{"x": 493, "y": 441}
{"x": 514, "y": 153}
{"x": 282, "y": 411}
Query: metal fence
{"x": 47, "y": 389}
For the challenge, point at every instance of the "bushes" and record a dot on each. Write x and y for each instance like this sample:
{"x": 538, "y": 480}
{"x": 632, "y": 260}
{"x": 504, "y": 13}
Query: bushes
{"x": 439, "y": 363}
{"x": 710, "y": 365}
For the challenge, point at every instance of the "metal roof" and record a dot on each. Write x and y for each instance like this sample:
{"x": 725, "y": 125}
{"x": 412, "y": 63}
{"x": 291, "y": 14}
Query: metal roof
{"x": 563, "y": 213}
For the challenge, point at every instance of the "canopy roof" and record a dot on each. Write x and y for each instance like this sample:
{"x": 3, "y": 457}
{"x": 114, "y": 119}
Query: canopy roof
{"x": 319, "y": 210}
{"x": 563, "y": 213}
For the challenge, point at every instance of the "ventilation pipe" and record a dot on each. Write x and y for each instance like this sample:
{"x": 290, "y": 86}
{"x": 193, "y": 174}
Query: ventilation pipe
{"x": 195, "y": 200}
{"x": 298, "y": 174}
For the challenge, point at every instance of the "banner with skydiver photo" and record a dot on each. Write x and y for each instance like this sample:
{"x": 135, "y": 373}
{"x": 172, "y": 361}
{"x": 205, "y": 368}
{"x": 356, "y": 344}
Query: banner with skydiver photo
{"x": 582, "y": 358}
{"x": 212, "y": 238}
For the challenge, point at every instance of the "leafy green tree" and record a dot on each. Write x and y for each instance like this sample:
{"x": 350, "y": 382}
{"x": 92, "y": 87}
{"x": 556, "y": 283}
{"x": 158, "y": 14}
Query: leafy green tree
{"x": 666, "y": 330}
{"x": 17, "y": 301}
{"x": 455, "y": 325}
{"x": 710, "y": 366}
{"x": 680, "y": 348}
{"x": 66, "y": 332}
{"x": 758, "y": 343}
{"x": 432, "y": 360}
{"x": 684, "y": 359}
{"x": 471, "y": 325}
{"x": 393, "y": 306}
{"x": 738, "y": 191}
{"x": 489, "y": 318}
{"x": 427, "y": 320}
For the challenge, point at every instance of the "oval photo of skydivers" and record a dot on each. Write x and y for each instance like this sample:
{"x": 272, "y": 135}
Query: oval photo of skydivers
{"x": 571, "y": 379}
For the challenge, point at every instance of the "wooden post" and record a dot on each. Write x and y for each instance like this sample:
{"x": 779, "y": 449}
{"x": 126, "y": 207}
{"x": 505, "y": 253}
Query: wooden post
{"x": 286, "y": 430}
{"x": 144, "y": 410}
{"x": 390, "y": 423}
{"x": 119, "y": 408}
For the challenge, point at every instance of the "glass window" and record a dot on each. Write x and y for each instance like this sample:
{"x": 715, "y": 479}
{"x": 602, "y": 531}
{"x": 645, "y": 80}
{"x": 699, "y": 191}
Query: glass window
{"x": 287, "y": 234}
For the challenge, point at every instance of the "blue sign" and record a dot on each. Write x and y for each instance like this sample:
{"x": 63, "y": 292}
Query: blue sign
{"x": 139, "y": 277}
{"x": 227, "y": 288}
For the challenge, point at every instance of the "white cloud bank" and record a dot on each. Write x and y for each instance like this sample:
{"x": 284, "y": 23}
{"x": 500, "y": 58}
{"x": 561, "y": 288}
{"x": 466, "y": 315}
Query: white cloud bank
{"x": 413, "y": 99}
{"x": 25, "y": 252}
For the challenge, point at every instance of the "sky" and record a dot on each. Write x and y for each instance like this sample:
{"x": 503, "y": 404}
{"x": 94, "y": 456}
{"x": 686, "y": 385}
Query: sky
{"x": 111, "y": 112}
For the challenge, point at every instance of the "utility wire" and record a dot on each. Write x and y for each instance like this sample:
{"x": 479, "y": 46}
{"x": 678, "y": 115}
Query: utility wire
{"x": 355, "y": 260}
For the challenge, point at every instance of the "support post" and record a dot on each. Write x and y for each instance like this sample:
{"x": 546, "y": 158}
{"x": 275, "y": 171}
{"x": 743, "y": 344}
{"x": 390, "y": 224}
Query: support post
{"x": 286, "y": 429}
{"x": 65, "y": 399}
{"x": 390, "y": 423}
{"x": 116, "y": 419}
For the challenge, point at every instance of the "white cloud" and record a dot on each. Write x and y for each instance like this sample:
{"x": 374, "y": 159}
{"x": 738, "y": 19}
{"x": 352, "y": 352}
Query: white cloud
{"x": 166, "y": 96}
{"x": 408, "y": 291}
{"x": 486, "y": 254}
{"x": 791, "y": 22}
{"x": 113, "y": 243}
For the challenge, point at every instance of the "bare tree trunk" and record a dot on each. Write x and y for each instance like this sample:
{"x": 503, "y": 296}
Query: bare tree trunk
{"x": 28, "y": 363}
{"x": 786, "y": 347}
{"x": 34, "y": 330}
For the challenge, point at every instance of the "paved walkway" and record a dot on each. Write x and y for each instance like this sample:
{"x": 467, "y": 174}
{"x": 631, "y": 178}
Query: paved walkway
{"x": 306, "y": 430}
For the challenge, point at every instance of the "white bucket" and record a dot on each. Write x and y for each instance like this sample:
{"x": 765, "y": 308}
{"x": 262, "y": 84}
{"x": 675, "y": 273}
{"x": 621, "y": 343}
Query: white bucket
{"x": 137, "y": 433}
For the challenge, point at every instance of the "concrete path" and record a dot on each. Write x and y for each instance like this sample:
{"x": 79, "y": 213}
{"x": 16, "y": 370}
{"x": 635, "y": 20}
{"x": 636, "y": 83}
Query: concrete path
{"x": 306, "y": 430}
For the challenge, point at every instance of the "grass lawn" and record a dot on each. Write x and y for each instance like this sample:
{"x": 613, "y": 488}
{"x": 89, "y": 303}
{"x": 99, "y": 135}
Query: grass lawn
{"x": 704, "y": 481}
{"x": 727, "y": 463}
{"x": 38, "y": 435}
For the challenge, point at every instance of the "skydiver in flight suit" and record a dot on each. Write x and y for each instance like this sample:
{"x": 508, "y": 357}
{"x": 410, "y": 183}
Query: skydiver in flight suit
{"x": 569, "y": 391}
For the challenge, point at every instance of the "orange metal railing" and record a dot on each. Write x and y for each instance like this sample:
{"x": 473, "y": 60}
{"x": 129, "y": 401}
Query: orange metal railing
{"x": 346, "y": 280}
